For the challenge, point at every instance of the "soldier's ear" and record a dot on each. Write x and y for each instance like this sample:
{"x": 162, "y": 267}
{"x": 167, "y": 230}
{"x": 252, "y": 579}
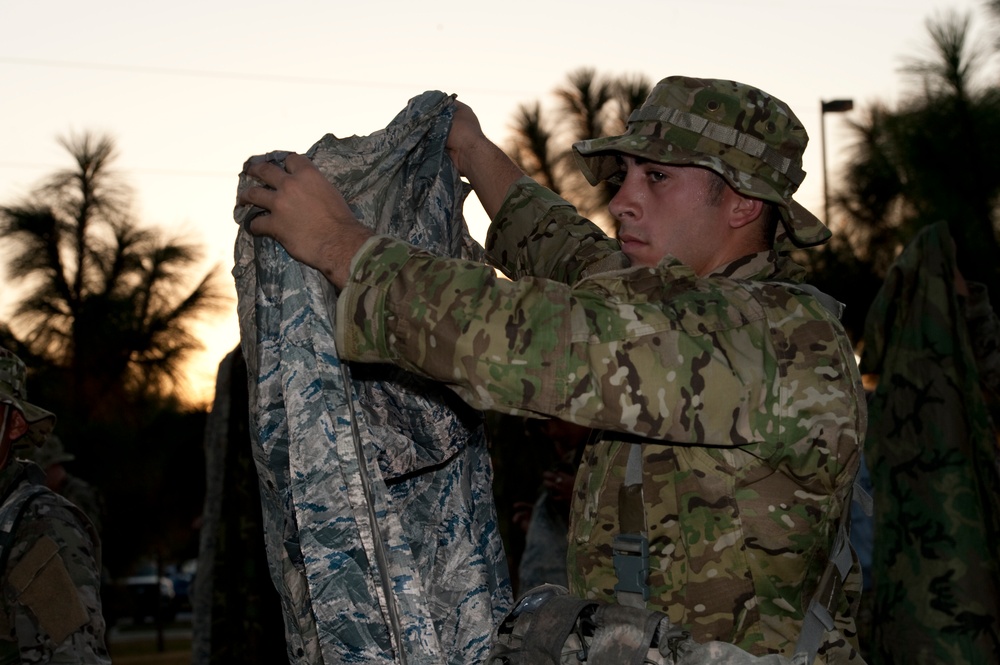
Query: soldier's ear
{"x": 17, "y": 426}
{"x": 742, "y": 209}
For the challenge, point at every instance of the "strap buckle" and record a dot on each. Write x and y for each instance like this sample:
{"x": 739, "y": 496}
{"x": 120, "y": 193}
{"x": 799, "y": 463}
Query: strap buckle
{"x": 631, "y": 560}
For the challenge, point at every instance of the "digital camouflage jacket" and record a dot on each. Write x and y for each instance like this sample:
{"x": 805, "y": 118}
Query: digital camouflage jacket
{"x": 741, "y": 388}
{"x": 380, "y": 526}
{"x": 50, "y": 607}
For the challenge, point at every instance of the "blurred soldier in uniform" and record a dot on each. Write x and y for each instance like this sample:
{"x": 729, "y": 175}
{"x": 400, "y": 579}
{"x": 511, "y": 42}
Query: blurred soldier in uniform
{"x": 237, "y": 610}
{"x": 933, "y": 342}
{"x": 725, "y": 391}
{"x": 52, "y": 456}
{"x": 547, "y": 523}
{"x": 50, "y": 604}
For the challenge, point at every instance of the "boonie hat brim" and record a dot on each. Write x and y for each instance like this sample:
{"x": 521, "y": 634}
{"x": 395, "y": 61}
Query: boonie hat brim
{"x": 40, "y": 422}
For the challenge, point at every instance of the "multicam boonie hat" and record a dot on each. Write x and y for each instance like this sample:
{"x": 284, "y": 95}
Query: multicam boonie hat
{"x": 13, "y": 379}
{"x": 751, "y": 139}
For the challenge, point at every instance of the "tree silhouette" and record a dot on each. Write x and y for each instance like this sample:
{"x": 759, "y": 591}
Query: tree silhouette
{"x": 107, "y": 305}
{"x": 929, "y": 159}
{"x": 587, "y": 106}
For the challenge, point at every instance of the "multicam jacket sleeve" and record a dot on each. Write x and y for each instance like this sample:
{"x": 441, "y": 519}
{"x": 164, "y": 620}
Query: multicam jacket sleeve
{"x": 740, "y": 386}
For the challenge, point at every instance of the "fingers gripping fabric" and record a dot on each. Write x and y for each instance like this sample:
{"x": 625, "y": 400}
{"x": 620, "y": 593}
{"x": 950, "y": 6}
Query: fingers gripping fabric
{"x": 380, "y": 526}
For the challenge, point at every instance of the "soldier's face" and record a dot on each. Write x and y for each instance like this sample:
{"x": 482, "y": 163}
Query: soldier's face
{"x": 663, "y": 209}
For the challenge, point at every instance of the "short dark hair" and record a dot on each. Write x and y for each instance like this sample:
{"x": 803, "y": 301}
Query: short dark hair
{"x": 770, "y": 216}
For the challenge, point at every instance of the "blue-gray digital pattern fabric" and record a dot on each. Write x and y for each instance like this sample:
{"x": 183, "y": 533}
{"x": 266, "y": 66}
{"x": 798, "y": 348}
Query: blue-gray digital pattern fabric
{"x": 380, "y": 525}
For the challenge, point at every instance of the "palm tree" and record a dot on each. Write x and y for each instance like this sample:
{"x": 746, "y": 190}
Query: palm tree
{"x": 106, "y": 304}
{"x": 531, "y": 146}
{"x": 588, "y": 106}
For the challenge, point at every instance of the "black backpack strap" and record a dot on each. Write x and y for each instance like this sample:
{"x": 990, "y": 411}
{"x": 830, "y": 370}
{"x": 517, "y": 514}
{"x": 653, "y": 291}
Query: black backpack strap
{"x": 630, "y": 547}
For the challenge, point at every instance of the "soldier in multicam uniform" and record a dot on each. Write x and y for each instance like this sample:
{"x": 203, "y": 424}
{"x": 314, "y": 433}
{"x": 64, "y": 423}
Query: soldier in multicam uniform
{"x": 50, "y": 604}
{"x": 52, "y": 456}
{"x": 688, "y": 340}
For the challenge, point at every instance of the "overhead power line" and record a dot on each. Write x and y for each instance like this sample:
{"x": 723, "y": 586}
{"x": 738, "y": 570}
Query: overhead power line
{"x": 231, "y": 76}
{"x": 139, "y": 170}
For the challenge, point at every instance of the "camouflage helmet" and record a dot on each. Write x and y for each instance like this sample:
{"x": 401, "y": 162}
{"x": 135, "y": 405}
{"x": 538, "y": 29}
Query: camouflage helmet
{"x": 751, "y": 139}
{"x": 13, "y": 391}
{"x": 51, "y": 452}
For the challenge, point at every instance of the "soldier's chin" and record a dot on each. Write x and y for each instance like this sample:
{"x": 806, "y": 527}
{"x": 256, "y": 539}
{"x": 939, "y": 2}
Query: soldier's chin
{"x": 638, "y": 253}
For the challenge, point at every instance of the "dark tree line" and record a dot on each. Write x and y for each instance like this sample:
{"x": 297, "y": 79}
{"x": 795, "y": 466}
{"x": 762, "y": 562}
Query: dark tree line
{"x": 587, "y": 106}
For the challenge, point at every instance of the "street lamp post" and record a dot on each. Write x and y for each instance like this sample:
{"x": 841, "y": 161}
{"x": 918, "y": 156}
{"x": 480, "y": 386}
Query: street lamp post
{"x": 832, "y": 106}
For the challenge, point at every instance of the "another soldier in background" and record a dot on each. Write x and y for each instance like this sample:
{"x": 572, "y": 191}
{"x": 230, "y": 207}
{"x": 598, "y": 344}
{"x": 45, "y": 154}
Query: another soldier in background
{"x": 546, "y": 521}
{"x": 931, "y": 339}
{"x": 726, "y": 392}
{"x": 237, "y": 610}
{"x": 50, "y": 603}
{"x": 52, "y": 456}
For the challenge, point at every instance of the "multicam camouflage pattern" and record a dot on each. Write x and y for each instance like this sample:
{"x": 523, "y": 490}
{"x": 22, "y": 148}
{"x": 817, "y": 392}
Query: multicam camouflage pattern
{"x": 380, "y": 524}
{"x": 750, "y": 138}
{"x": 87, "y": 498}
{"x": 984, "y": 335}
{"x": 50, "y": 607}
{"x": 931, "y": 448}
{"x": 741, "y": 388}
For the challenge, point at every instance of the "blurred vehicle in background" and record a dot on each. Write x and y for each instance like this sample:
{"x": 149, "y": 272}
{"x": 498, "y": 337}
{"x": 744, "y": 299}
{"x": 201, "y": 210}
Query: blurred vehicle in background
{"x": 182, "y": 576}
{"x": 150, "y": 595}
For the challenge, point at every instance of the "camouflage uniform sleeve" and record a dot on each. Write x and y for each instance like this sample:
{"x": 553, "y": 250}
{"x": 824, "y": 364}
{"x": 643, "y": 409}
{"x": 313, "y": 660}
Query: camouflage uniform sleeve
{"x": 51, "y": 588}
{"x": 538, "y": 234}
{"x": 984, "y": 332}
{"x": 616, "y": 350}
